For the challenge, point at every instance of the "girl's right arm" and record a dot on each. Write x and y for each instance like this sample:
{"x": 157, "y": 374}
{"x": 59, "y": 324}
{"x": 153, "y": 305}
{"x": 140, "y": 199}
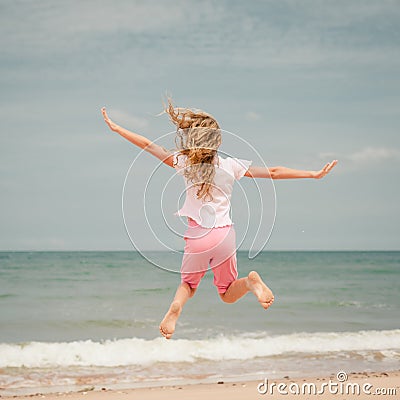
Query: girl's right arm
{"x": 288, "y": 173}
{"x": 158, "y": 151}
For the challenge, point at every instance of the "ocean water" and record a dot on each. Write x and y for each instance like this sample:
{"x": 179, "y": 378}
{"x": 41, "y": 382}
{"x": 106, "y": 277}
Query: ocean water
{"x": 77, "y": 319}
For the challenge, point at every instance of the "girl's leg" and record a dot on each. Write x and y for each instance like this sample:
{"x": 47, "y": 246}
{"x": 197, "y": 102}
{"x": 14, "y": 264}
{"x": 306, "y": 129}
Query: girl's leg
{"x": 183, "y": 293}
{"x": 252, "y": 283}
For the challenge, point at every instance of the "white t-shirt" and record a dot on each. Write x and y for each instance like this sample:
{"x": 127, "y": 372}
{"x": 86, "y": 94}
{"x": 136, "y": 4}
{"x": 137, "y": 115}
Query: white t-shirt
{"x": 214, "y": 213}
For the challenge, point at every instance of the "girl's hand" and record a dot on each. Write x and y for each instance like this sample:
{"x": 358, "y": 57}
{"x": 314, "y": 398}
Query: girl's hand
{"x": 327, "y": 168}
{"x": 113, "y": 126}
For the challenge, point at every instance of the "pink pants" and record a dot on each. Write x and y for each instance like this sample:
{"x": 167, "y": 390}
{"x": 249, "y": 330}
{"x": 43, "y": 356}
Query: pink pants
{"x": 214, "y": 247}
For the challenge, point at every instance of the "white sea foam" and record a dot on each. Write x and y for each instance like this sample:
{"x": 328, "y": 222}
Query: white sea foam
{"x": 136, "y": 351}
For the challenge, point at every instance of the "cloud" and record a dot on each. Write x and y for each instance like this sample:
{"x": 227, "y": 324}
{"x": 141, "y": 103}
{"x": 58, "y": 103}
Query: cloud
{"x": 369, "y": 154}
{"x": 365, "y": 155}
{"x": 123, "y": 118}
{"x": 252, "y": 116}
{"x": 307, "y": 34}
{"x": 49, "y": 24}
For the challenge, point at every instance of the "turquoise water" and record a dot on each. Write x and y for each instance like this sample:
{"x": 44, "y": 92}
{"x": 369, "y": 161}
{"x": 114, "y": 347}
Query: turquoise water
{"x": 99, "y": 311}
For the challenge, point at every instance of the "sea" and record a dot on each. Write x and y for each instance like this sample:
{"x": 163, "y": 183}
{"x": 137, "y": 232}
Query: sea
{"x": 89, "y": 320}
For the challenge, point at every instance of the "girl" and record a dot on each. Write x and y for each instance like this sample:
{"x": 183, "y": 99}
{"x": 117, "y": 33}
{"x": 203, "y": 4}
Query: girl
{"x": 210, "y": 235}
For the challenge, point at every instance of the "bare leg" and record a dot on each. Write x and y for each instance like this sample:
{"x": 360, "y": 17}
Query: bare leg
{"x": 183, "y": 293}
{"x": 252, "y": 283}
{"x": 235, "y": 291}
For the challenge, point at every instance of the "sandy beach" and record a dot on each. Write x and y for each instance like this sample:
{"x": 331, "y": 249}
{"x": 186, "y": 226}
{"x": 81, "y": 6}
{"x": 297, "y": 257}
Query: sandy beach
{"x": 362, "y": 385}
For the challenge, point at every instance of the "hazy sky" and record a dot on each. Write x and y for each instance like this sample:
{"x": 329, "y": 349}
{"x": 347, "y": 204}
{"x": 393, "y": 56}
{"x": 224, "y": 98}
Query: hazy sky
{"x": 302, "y": 81}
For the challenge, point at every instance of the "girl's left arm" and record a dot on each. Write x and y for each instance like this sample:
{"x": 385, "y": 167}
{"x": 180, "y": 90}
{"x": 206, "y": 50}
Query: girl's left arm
{"x": 158, "y": 151}
{"x": 288, "y": 173}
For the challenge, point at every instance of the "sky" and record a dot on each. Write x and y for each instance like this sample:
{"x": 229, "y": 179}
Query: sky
{"x": 293, "y": 83}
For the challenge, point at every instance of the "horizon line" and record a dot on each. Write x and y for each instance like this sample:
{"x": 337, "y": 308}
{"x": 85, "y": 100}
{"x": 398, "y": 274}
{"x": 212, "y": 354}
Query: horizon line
{"x": 167, "y": 251}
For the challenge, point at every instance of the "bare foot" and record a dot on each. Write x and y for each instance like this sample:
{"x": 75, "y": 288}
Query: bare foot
{"x": 167, "y": 326}
{"x": 260, "y": 289}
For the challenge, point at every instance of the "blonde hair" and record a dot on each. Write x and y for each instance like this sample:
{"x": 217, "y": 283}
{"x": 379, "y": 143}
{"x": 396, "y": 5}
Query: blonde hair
{"x": 198, "y": 137}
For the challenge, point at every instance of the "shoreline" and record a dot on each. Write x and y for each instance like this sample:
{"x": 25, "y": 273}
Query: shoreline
{"x": 387, "y": 382}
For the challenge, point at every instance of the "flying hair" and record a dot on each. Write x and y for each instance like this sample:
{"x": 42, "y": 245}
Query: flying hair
{"x": 198, "y": 137}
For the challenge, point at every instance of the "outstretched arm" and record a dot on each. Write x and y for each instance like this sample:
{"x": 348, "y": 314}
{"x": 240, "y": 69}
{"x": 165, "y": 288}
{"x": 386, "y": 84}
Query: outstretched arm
{"x": 158, "y": 151}
{"x": 288, "y": 173}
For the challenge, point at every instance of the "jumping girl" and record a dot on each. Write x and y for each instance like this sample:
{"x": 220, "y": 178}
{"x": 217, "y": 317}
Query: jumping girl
{"x": 210, "y": 236}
